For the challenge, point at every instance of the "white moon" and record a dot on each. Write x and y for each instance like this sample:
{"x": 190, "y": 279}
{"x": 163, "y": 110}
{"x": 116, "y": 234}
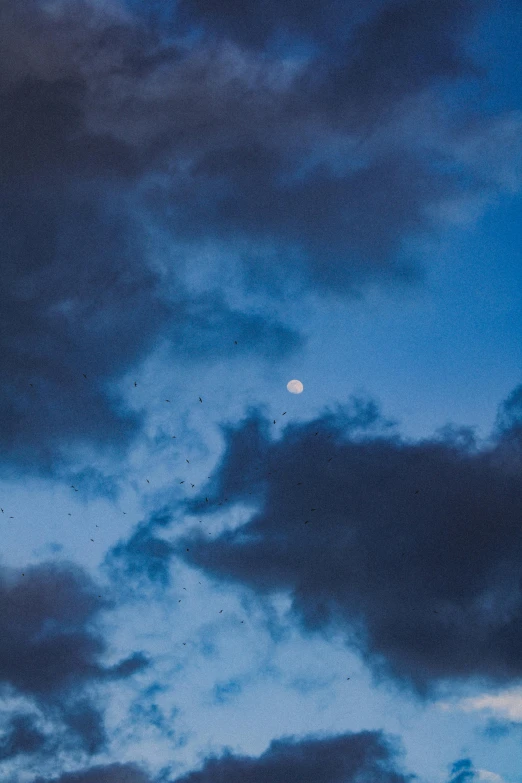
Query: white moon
{"x": 295, "y": 387}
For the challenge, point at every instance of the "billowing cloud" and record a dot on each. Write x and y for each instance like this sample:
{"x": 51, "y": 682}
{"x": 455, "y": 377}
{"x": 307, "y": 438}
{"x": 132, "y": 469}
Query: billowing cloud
{"x": 349, "y": 758}
{"x": 411, "y": 549}
{"x": 313, "y": 165}
{"x": 112, "y": 773}
{"x": 50, "y": 651}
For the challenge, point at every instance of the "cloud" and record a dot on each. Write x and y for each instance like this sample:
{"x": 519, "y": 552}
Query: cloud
{"x": 410, "y": 549}
{"x": 20, "y": 736}
{"x": 463, "y": 771}
{"x": 50, "y": 651}
{"x": 507, "y": 704}
{"x": 311, "y": 166}
{"x": 348, "y": 757}
{"x": 112, "y": 773}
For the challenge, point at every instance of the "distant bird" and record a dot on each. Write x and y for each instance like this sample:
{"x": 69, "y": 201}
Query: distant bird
{"x": 148, "y": 482}
{"x": 274, "y": 421}
{"x": 206, "y": 500}
{"x": 92, "y": 539}
{"x": 30, "y": 384}
{"x": 199, "y": 398}
{"x": 2, "y": 510}
{"x": 235, "y": 342}
{"x": 347, "y": 678}
{"x": 70, "y": 515}
{"x": 182, "y": 482}
{"x": 192, "y": 485}
{"x": 186, "y": 460}
{"x": 173, "y": 436}
{"x": 84, "y": 375}
{"x": 284, "y": 413}
{"x": 167, "y": 400}
{"x": 220, "y": 611}
{"x": 135, "y": 384}
{"x": 331, "y": 458}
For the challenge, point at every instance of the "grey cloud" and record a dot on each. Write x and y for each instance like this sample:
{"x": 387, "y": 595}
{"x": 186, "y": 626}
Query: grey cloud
{"x": 411, "y": 549}
{"x": 50, "y": 648}
{"x": 285, "y": 162}
{"x": 348, "y": 758}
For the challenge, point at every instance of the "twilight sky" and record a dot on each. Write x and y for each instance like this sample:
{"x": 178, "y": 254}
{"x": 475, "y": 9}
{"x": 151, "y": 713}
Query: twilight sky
{"x": 203, "y": 577}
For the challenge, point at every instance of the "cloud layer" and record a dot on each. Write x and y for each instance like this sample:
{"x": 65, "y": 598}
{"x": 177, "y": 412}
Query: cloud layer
{"x": 410, "y": 549}
{"x": 307, "y": 148}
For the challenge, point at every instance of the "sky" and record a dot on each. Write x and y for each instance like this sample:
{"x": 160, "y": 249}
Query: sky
{"x": 205, "y": 578}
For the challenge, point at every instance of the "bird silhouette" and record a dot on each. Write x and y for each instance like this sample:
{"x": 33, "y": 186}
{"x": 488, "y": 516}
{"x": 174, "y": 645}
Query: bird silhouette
{"x": 199, "y": 398}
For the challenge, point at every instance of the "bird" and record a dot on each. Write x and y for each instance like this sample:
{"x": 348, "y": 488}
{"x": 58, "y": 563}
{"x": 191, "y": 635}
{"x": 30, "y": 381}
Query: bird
{"x": 192, "y": 485}
{"x": 199, "y": 398}
{"x": 148, "y": 482}
{"x": 182, "y": 482}
{"x": 220, "y": 611}
{"x": 84, "y": 375}
{"x": 2, "y": 510}
{"x": 186, "y": 460}
{"x": 235, "y": 342}
{"x": 167, "y": 400}
{"x": 274, "y": 421}
{"x": 173, "y": 436}
{"x": 331, "y": 458}
{"x": 135, "y": 384}
{"x": 283, "y": 414}
{"x": 92, "y": 539}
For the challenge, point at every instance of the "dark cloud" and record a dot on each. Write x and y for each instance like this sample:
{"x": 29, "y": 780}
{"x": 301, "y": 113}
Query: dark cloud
{"x": 347, "y": 758}
{"x": 21, "y": 736}
{"x": 50, "y": 648}
{"x": 412, "y": 549}
{"x": 112, "y": 773}
{"x": 462, "y": 772}
{"x": 144, "y": 554}
{"x": 310, "y": 168}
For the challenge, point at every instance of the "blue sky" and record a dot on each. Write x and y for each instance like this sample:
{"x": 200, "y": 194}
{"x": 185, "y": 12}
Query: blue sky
{"x": 205, "y": 578}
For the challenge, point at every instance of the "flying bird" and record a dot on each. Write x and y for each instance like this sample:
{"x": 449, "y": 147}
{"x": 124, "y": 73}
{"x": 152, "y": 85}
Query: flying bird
{"x": 148, "y": 482}
{"x": 84, "y": 375}
{"x": 199, "y": 398}
{"x": 283, "y": 414}
{"x": 135, "y": 384}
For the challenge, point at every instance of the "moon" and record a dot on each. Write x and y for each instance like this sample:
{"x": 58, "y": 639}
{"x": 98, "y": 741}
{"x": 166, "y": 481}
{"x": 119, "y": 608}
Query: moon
{"x": 295, "y": 387}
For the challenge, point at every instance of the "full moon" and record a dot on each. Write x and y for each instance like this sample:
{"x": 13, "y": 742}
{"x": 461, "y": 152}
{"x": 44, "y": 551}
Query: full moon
{"x": 295, "y": 387}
